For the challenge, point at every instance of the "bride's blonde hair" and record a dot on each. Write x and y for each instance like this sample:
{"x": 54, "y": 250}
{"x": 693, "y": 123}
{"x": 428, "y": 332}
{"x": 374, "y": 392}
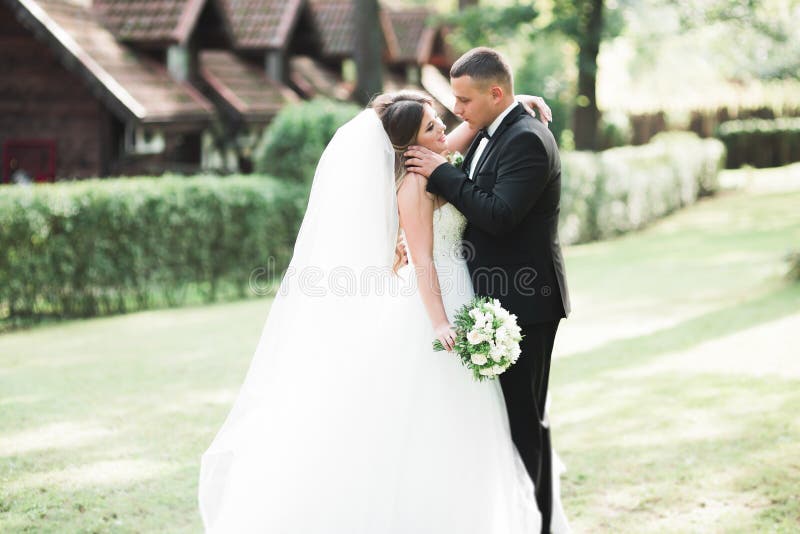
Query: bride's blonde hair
{"x": 401, "y": 115}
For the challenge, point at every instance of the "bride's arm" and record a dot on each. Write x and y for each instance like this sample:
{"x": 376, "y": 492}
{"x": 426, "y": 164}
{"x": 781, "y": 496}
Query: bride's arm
{"x": 416, "y": 218}
{"x": 459, "y": 139}
{"x": 462, "y": 135}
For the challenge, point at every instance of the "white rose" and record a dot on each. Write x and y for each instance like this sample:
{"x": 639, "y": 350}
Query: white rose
{"x": 497, "y": 352}
{"x": 498, "y": 369}
{"x": 480, "y": 318}
{"x": 501, "y": 334}
{"x": 474, "y": 337}
{"x": 479, "y": 358}
{"x": 487, "y": 372}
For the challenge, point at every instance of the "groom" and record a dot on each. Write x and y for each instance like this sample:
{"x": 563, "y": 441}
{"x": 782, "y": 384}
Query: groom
{"x": 509, "y": 189}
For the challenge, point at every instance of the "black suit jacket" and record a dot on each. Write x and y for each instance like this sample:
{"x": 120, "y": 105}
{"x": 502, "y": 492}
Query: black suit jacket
{"x": 511, "y": 240}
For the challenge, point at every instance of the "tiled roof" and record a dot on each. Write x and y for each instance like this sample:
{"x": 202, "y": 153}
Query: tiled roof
{"x": 408, "y": 36}
{"x": 409, "y": 39}
{"x": 245, "y": 87}
{"x": 334, "y": 21}
{"x": 314, "y": 79}
{"x": 262, "y": 23}
{"x": 150, "y": 20}
{"x": 255, "y": 24}
{"x": 140, "y": 88}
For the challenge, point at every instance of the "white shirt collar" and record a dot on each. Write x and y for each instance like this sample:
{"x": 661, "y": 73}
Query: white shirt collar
{"x": 496, "y": 124}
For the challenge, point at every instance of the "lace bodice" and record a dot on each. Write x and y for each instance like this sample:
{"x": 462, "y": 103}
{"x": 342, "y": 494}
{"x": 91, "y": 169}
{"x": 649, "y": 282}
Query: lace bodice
{"x": 448, "y": 229}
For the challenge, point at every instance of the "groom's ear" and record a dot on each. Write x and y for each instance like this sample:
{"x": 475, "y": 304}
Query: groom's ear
{"x": 497, "y": 93}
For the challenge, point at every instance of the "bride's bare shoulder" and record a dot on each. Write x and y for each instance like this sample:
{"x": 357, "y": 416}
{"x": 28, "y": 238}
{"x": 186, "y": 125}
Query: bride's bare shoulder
{"x": 413, "y": 187}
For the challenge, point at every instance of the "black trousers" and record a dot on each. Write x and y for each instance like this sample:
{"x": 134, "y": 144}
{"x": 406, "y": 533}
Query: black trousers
{"x": 525, "y": 389}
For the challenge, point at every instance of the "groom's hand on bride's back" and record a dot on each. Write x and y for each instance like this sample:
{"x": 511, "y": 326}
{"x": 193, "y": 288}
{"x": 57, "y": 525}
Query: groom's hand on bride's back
{"x": 400, "y": 255}
{"x": 422, "y": 160}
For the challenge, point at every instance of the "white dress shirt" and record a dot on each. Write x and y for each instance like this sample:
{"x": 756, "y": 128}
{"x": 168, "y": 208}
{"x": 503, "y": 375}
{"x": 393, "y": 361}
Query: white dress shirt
{"x": 485, "y": 141}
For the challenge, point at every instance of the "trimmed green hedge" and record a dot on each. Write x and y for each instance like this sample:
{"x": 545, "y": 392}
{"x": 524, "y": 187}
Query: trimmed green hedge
{"x": 761, "y": 142}
{"x": 612, "y": 192}
{"x": 95, "y": 247}
{"x": 295, "y": 140}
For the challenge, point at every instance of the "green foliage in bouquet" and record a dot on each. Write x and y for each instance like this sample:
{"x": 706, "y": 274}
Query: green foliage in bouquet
{"x": 487, "y": 338}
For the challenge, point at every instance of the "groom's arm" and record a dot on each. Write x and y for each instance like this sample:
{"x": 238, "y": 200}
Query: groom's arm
{"x": 522, "y": 176}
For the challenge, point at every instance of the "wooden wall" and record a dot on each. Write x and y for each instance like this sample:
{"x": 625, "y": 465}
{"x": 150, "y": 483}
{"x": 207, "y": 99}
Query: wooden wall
{"x": 40, "y": 99}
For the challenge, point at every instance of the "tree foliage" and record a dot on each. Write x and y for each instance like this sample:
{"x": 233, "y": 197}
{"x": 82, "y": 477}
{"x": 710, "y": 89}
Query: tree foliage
{"x": 767, "y": 32}
{"x": 584, "y": 22}
{"x": 488, "y": 25}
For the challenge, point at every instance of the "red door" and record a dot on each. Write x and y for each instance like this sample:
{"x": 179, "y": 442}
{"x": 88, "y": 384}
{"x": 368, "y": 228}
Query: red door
{"x": 29, "y": 160}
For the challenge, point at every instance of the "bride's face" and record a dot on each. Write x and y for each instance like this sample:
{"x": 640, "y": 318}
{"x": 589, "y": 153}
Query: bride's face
{"x": 431, "y": 131}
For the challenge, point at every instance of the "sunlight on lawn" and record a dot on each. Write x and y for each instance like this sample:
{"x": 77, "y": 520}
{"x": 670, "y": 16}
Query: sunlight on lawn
{"x": 61, "y": 435}
{"x": 762, "y": 350}
{"x": 673, "y": 392}
{"x": 102, "y": 473}
{"x": 699, "y": 260}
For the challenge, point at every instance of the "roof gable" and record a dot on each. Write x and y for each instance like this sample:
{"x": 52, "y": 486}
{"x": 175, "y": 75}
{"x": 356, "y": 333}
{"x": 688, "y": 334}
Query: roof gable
{"x": 254, "y": 24}
{"x": 409, "y": 37}
{"x": 334, "y": 21}
{"x": 132, "y": 87}
{"x": 262, "y": 24}
{"x": 243, "y": 86}
{"x": 150, "y": 21}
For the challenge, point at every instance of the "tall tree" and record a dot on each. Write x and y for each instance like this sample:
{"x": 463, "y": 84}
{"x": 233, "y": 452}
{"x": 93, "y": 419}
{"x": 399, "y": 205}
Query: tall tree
{"x": 368, "y": 50}
{"x": 583, "y": 21}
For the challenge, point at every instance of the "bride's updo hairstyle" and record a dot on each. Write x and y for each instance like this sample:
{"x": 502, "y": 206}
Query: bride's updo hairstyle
{"x": 401, "y": 115}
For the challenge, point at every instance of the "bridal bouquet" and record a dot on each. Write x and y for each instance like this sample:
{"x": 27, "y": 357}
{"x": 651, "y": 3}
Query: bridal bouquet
{"x": 455, "y": 159}
{"x": 487, "y": 338}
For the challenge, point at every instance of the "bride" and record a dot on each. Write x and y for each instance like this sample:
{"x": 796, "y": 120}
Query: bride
{"x": 348, "y": 422}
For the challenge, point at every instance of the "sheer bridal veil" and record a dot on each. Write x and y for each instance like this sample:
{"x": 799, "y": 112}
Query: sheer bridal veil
{"x": 334, "y": 310}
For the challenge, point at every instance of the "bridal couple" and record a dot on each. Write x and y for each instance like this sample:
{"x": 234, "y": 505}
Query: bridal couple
{"x": 348, "y": 422}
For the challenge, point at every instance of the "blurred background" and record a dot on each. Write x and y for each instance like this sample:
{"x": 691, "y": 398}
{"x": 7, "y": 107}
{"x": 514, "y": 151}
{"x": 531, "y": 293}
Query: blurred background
{"x": 156, "y": 163}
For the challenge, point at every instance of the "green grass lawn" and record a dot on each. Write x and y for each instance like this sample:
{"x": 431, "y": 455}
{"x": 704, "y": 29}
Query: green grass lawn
{"x": 668, "y": 418}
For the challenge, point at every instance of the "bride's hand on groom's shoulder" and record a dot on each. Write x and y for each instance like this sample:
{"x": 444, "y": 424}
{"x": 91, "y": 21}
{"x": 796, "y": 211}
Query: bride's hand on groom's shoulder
{"x": 537, "y": 107}
{"x": 422, "y": 161}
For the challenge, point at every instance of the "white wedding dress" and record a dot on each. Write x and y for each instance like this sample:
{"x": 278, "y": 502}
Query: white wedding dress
{"x": 348, "y": 421}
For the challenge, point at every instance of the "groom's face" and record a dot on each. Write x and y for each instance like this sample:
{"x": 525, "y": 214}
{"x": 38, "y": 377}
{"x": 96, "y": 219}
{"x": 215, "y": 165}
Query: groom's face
{"x": 476, "y": 101}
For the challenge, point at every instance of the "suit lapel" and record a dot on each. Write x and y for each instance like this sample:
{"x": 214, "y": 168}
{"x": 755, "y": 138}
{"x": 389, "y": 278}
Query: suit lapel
{"x": 509, "y": 119}
{"x": 471, "y": 152}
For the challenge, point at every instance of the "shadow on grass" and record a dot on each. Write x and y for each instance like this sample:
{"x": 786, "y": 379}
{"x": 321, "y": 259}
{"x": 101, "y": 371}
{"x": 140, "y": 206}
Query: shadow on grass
{"x": 621, "y": 353}
{"x": 129, "y": 506}
{"x": 141, "y": 477}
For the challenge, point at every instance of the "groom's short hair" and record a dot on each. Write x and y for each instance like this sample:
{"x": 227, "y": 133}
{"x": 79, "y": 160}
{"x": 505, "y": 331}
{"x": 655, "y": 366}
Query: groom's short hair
{"x": 484, "y": 65}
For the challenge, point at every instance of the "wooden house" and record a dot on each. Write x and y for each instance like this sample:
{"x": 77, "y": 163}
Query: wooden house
{"x": 125, "y": 87}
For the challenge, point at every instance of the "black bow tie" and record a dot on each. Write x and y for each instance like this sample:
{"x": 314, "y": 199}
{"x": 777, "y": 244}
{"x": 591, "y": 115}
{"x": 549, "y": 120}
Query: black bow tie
{"x": 483, "y": 132}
